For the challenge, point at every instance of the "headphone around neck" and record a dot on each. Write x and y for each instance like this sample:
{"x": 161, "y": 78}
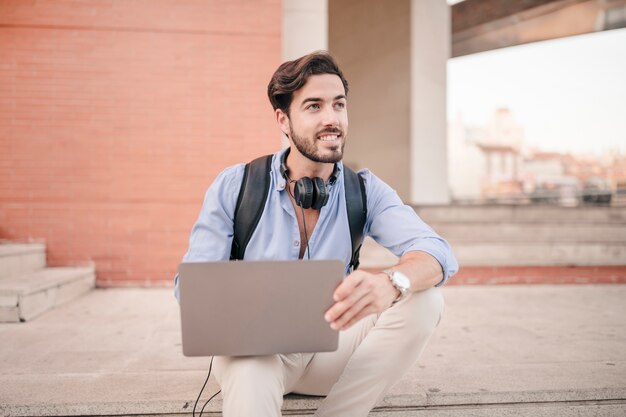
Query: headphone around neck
{"x": 309, "y": 192}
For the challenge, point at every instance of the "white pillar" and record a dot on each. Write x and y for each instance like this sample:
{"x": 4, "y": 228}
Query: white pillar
{"x": 305, "y": 27}
{"x": 430, "y": 49}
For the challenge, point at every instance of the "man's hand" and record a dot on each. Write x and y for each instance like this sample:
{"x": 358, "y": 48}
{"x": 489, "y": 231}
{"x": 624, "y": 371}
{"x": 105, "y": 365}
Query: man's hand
{"x": 359, "y": 295}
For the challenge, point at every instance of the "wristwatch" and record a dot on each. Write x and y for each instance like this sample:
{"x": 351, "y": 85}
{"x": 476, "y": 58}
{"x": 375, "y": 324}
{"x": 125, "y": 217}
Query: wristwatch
{"x": 401, "y": 282}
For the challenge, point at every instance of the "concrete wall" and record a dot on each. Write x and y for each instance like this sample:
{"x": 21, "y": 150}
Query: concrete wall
{"x": 371, "y": 40}
{"x": 116, "y": 116}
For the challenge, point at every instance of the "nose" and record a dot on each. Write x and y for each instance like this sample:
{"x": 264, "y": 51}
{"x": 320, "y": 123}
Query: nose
{"x": 330, "y": 117}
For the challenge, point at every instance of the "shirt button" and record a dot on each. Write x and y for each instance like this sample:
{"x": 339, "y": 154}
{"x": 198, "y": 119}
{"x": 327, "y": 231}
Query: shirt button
{"x": 296, "y": 243}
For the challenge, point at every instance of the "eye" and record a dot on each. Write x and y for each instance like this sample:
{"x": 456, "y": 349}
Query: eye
{"x": 340, "y": 105}
{"x": 314, "y": 106}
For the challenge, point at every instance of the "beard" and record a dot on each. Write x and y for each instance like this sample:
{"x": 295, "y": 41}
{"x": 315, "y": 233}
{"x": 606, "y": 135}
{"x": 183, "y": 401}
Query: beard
{"x": 308, "y": 146}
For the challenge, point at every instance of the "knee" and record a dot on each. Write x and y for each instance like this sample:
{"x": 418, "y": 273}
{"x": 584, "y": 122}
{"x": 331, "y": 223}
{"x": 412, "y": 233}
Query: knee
{"x": 259, "y": 371}
{"x": 423, "y": 311}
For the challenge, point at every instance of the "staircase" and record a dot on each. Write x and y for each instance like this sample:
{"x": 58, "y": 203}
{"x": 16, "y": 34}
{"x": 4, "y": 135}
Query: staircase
{"x": 499, "y": 235}
{"x": 28, "y": 288}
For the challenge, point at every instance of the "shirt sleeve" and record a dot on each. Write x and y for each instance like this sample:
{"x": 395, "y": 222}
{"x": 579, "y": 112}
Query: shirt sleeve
{"x": 397, "y": 227}
{"x": 212, "y": 234}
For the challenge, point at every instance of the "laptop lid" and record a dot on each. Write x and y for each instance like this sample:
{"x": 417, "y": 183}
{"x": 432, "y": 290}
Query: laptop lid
{"x": 257, "y": 307}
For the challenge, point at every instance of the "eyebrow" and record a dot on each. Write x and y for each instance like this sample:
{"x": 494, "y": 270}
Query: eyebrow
{"x": 317, "y": 99}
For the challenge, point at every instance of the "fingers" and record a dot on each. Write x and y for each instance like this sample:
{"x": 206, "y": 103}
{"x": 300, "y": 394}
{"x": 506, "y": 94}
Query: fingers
{"x": 360, "y": 295}
{"x": 369, "y": 309}
{"x": 340, "y": 307}
{"x": 348, "y": 285}
{"x": 358, "y": 310}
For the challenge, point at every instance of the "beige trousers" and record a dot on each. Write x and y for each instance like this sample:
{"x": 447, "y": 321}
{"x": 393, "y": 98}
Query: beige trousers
{"x": 372, "y": 355}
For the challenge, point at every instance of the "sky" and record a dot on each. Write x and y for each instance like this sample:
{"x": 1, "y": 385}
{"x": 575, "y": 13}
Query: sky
{"x": 568, "y": 94}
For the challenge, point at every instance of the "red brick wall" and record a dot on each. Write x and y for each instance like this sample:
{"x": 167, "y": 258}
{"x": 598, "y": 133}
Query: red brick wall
{"x": 116, "y": 115}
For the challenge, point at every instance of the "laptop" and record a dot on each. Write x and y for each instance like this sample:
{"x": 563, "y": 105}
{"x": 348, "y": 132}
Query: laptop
{"x": 243, "y": 308}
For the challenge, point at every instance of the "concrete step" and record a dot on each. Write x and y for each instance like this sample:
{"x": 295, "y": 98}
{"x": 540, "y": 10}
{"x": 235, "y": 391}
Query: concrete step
{"x": 602, "y": 408}
{"x": 541, "y": 253}
{"x": 21, "y": 258}
{"x": 23, "y": 297}
{"x": 522, "y": 214}
{"x": 531, "y": 232}
{"x": 513, "y": 254}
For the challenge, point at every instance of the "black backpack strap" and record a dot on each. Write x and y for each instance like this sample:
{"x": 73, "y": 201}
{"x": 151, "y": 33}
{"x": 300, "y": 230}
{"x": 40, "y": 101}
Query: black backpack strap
{"x": 250, "y": 203}
{"x": 356, "y": 206}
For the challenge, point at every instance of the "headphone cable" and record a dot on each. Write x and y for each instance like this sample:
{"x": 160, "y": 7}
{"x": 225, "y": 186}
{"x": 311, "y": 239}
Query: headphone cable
{"x": 306, "y": 236}
{"x": 200, "y": 394}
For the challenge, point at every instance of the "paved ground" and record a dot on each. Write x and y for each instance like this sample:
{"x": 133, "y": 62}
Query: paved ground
{"x": 533, "y": 350}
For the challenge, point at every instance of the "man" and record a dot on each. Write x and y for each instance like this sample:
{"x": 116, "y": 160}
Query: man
{"x": 384, "y": 318}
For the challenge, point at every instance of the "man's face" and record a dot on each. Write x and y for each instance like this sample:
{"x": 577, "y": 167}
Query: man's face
{"x": 318, "y": 119}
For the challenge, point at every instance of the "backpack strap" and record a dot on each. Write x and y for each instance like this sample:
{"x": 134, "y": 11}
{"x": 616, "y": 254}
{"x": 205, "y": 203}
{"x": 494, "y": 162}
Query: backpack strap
{"x": 356, "y": 206}
{"x": 250, "y": 203}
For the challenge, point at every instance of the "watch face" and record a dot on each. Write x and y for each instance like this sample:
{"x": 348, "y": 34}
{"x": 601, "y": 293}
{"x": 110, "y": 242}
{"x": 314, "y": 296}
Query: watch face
{"x": 401, "y": 280}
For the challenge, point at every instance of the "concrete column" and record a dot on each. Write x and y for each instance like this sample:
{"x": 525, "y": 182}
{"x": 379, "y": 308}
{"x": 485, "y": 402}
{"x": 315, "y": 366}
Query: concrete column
{"x": 430, "y": 49}
{"x": 305, "y": 27}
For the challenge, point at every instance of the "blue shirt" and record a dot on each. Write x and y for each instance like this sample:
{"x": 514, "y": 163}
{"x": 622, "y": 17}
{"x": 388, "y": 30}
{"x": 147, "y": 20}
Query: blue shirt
{"x": 390, "y": 222}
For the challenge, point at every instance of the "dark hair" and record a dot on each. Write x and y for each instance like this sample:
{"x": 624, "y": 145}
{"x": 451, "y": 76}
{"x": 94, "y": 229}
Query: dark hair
{"x": 292, "y": 75}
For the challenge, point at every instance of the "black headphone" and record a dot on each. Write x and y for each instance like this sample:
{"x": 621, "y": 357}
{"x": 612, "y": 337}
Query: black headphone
{"x": 309, "y": 192}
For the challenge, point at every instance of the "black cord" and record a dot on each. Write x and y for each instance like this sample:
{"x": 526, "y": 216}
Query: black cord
{"x": 207, "y": 401}
{"x": 306, "y": 236}
{"x": 200, "y": 394}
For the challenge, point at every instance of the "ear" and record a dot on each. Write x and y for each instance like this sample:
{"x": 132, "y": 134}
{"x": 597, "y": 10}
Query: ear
{"x": 283, "y": 121}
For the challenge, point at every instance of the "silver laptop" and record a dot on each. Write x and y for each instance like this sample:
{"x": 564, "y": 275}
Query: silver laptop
{"x": 257, "y": 307}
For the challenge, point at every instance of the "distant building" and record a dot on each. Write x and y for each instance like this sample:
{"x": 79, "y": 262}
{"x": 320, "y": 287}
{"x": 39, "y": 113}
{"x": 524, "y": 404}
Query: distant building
{"x": 544, "y": 164}
{"x": 466, "y": 163}
{"x": 492, "y": 163}
{"x": 485, "y": 162}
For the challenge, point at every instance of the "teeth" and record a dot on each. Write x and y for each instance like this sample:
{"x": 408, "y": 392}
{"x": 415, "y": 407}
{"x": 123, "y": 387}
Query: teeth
{"x": 328, "y": 137}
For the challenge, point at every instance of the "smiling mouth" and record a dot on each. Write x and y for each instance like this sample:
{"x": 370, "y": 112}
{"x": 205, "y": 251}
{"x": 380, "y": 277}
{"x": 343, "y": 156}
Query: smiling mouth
{"x": 328, "y": 137}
